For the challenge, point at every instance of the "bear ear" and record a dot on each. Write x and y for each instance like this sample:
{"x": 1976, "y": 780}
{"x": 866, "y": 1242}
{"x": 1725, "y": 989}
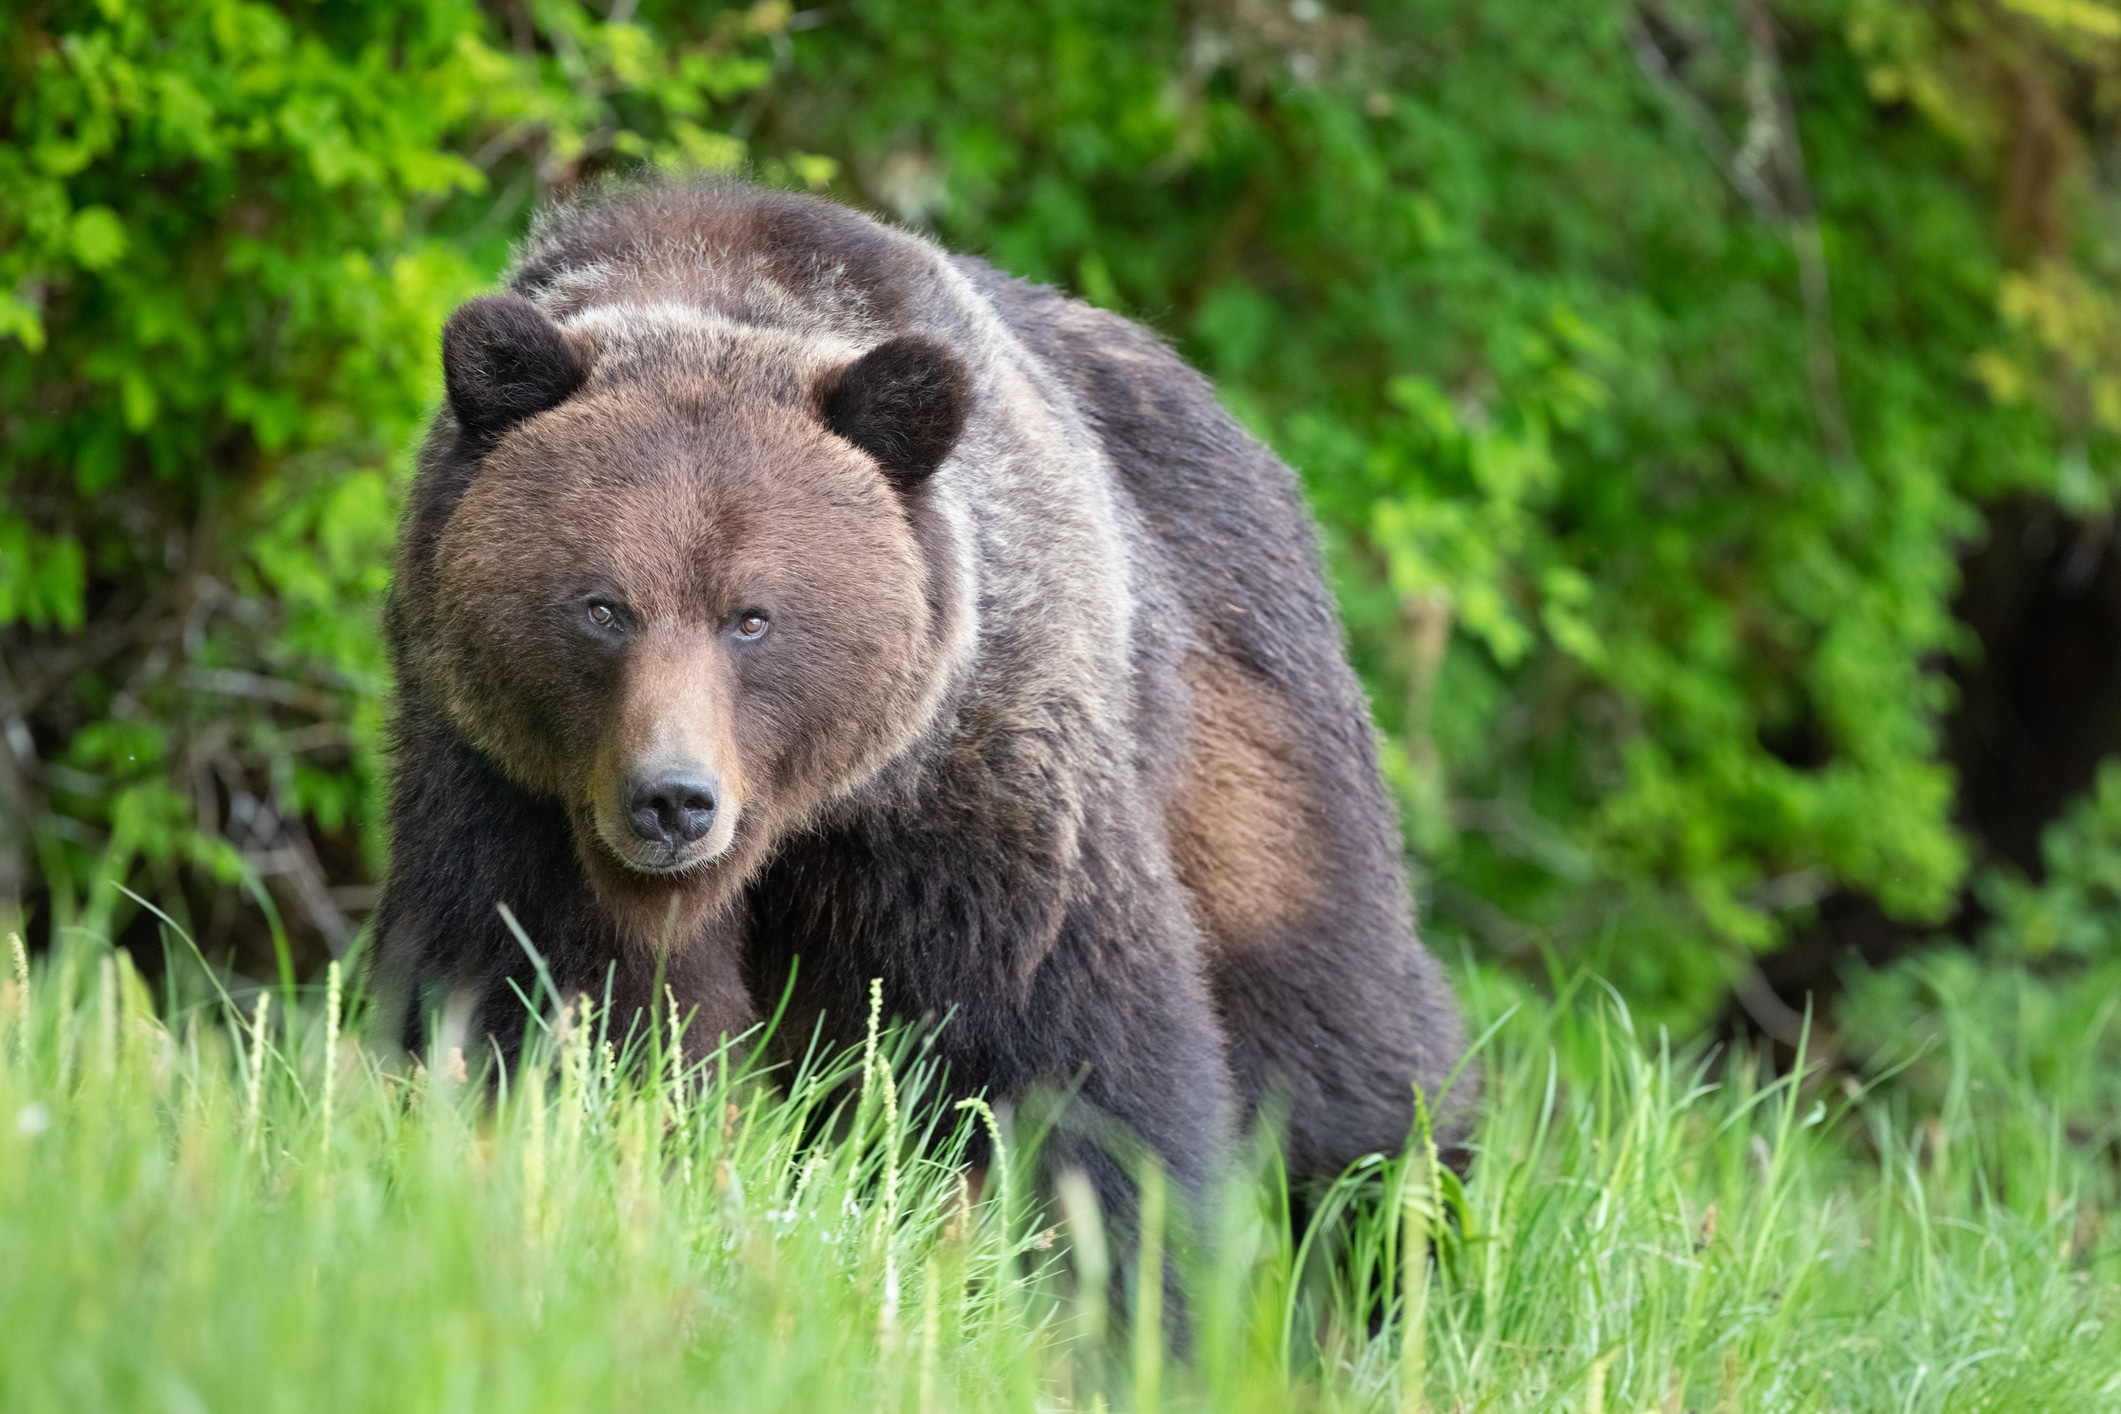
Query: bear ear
{"x": 503, "y": 360}
{"x": 903, "y": 403}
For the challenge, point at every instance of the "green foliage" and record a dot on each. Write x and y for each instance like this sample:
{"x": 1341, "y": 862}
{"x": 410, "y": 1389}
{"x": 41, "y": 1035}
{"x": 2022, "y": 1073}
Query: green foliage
{"x": 222, "y": 1205}
{"x": 2040, "y": 993}
{"x": 1648, "y": 367}
{"x": 2076, "y": 909}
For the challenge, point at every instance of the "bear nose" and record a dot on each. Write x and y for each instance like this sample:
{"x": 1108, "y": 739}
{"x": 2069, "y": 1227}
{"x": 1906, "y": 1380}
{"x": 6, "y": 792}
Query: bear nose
{"x": 672, "y": 809}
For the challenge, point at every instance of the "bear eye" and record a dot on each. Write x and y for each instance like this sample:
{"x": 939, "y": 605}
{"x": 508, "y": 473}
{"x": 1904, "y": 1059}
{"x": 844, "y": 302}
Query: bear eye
{"x": 751, "y": 624}
{"x": 603, "y": 615}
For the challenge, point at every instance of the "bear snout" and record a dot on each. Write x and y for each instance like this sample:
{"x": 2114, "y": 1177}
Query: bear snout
{"x": 672, "y": 809}
{"x": 667, "y": 813}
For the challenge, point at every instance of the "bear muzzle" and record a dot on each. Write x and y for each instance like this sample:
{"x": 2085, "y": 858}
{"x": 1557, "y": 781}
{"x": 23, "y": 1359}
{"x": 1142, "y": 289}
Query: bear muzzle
{"x": 666, "y": 784}
{"x": 667, "y": 817}
{"x": 672, "y": 809}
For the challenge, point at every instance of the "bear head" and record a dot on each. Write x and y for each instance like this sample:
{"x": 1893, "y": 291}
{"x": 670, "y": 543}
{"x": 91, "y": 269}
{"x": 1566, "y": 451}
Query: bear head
{"x": 695, "y": 585}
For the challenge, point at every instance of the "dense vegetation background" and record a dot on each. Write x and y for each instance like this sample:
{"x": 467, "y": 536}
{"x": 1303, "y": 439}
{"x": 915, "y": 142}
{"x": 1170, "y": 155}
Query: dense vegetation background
{"x": 1713, "y": 408}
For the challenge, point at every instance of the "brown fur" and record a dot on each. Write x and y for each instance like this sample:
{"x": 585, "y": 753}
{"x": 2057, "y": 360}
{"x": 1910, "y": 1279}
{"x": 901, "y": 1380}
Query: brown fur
{"x": 620, "y": 488}
{"x": 1051, "y": 733}
{"x": 1244, "y": 826}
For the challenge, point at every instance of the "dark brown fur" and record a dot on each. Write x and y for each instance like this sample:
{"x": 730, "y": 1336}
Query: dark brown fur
{"x": 1052, "y": 730}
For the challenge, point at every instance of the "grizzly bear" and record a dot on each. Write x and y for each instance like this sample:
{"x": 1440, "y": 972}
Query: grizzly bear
{"x": 780, "y": 595}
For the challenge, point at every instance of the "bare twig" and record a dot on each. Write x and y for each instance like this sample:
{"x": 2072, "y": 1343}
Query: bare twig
{"x": 83, "y": 652}
{"x": 18, "y": 805}
{"x": 234, "y": 682}
{"x": 1770, "y": 1013}
{"x": 1768, "y": 170}
{"x": 1769, "y": 99}
{"x": 277, "y": 847}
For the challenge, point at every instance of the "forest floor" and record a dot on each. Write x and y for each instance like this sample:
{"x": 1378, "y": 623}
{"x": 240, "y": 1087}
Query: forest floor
{"x": 203, "y": 1207}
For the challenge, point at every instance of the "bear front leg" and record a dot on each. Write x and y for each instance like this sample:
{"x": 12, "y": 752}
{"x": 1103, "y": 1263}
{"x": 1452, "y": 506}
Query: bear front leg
{"x": 1133, "y": 1033}
{"x": 464, "y": 842}
{"x": 1045, "y": 973}
{"x": 1139, "y": 1047}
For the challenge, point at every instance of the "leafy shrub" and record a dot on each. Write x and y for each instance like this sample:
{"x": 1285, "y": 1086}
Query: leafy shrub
{"x": 1648, "y": 366}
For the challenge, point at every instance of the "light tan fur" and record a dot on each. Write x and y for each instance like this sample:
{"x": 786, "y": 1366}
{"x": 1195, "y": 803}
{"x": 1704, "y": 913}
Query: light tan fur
{"x": 1244, "y": 826}
{"x": 674, "y": 712}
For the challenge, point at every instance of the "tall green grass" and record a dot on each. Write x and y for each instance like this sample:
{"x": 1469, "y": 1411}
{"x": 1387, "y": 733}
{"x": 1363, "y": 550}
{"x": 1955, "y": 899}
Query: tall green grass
{"x": 227, "y": 1205}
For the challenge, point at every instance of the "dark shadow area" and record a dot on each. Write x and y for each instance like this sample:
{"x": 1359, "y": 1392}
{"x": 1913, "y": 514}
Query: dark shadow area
{"x": 2041, "y": 704}
{"x": 2038, "y": 706}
